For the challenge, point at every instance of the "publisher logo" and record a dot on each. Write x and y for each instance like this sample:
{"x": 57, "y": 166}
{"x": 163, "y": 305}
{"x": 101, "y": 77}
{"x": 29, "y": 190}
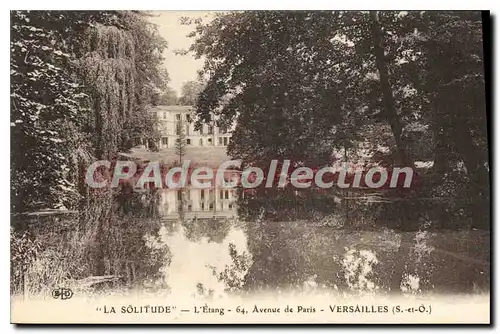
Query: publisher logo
{"x": 62, "y": 293}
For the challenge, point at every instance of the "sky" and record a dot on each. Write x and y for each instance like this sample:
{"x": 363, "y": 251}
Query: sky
{"x": 180, "y": 68}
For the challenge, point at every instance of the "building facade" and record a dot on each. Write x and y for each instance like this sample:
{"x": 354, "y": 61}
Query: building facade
{"x": 174, "y": 119}
{"x": 210, "y": 203}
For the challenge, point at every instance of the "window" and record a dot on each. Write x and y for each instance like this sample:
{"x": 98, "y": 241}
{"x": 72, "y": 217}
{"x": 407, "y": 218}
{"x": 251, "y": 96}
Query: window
{"x": 220, "y": 141}
{"x": 164, "y": 115}
{"x": 221, "y": 194}
{"x": 226, "y": 194}
{"x": 209, "y": 141}
{"x": 178, "y": 129}
{"x": 190, "y": 208}
{"x": 228, "y": 176}
{"x": 188, "y": 141}
{"x": 178, "y": 117}
{"x": 179, "y": 195}
{"x": 188, "y": 118}
{"x": 211, "y": 206}
{"x": 226, "y": 140}
{"x": 202, "y": 206}
{"x": 164, "y": 141}
{"x": 202, "y": 194}
{"x": 187, "y": 129}
{"x": 201, "y": 142}
{"x": 210, "y": 130}
{"x": 230, "y": 206}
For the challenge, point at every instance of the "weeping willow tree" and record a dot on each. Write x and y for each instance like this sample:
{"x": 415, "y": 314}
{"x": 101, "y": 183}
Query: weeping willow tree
{"x": 80, "y": 92}
{"x": 120, "y": 65}
{"x": 109, "y": 68}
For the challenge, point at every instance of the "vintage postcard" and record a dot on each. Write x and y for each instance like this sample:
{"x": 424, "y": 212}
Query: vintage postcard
{"x": 250, "y": 167}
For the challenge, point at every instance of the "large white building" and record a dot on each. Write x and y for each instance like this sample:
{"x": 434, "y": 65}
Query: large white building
{"x": 198, "y": 203}
{"x": 173, "y": 118}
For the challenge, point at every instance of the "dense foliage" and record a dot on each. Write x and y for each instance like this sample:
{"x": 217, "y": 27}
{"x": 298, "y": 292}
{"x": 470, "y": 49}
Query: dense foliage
{"x": 301, "y": 85}
{"x": 79, "y": 91}
{"x": 81, "y": 86}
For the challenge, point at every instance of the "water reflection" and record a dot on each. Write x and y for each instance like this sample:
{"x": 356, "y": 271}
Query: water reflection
{"x": 198, "y": 203}
{"x": 194, "y": 261}
{"x": 213, "y": 253}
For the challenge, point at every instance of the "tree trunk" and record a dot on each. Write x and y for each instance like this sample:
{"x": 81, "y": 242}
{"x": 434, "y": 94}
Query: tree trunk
{"x": 397, "y": 129}
{"x": 387, "y": 96}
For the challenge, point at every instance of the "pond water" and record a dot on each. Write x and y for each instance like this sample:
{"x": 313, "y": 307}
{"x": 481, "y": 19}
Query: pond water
{"x": 208, "y": 248}
{"x": 222, "y": 254}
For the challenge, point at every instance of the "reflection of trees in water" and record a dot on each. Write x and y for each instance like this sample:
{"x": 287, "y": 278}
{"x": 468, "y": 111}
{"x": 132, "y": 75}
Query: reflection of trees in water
{"x": 276, "y": 263}
{"x": 234, "y": 275}
{"x": 289, "y": 247}
{"x": 284, "y": 205}
{"x": 128, "y": 254}
{"x": 289, "y": 254}
{"x": 215, "y": 230}
{"x": 277, "y": 230}
{"x": 125, "y": 243}
{"x": 285, "y": 254}
{"x": 112, "y": 235}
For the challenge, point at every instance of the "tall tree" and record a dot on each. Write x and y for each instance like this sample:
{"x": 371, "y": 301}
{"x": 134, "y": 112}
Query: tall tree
{"x": 303, "y": 84}
{"x": 80, "y": 92}
{"x": 190, "y": 92}
{"x": 267, "y": 69}
{"x": 168, "y": 97}
{"x": 48, "y": 108}
{"x": 386, "y": 88}
{"x": 180, "y": 141}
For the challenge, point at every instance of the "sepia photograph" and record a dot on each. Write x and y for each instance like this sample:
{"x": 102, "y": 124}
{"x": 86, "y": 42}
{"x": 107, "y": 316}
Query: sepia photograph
{"x": 250, "y": 167}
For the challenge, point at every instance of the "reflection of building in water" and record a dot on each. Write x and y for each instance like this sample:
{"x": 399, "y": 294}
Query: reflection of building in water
{"x": 199, "y": 203}
{"x": 172, "y": 118}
